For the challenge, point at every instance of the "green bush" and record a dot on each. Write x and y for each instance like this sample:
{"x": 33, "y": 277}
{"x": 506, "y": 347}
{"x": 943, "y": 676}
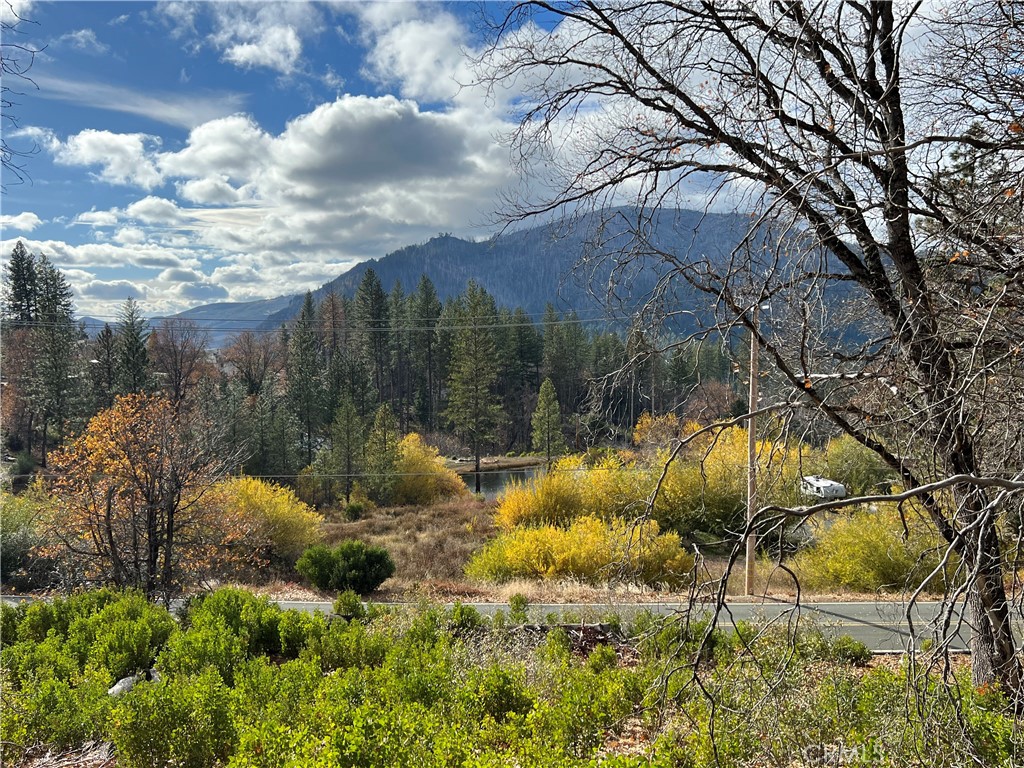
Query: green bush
{"x": 251, "y": 617}
{"x": 350, "y": 605}
{"x": 210, "y": 644}
{"x": 297, "y": 629}
{"x": 184, "y": 723}
{"x": 352, "y": 565}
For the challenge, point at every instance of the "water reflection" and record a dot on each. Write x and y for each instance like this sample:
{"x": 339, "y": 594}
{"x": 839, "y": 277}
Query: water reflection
{"x": 493, "y": 482}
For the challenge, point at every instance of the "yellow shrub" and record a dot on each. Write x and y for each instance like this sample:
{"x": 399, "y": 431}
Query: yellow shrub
{"x": 276, "y": 514}
{"x": 655, "y": 430}
{"x": 554, "y": 497}
{"x": 614, "y": 488}
{"x": 589, "y": 549}
{"x": 422, "y": 476}
{"x": 866, "y": 552}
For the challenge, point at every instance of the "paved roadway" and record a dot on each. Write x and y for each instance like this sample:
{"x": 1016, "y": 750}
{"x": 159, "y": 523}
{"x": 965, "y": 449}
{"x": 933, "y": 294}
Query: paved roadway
{"x": 881, "y": 626}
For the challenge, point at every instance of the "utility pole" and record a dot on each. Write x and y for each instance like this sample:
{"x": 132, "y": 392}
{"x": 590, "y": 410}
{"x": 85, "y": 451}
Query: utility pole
{"x": 751, "y": 459}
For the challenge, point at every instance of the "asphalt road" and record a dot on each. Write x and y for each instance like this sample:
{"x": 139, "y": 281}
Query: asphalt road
{"x": 881, "y": 626}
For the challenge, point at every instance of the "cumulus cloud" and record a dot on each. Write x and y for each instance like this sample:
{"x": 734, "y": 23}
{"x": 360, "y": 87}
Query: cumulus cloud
{"x": 154, "y": 210}
{"x": 129, "y": 236}
{"x": 276, "y": 48}
{"x": 122, "y": 157}
{"x": 22, "y": 222}
{"x": 208, "y": 191}
{"x": 417, "y": 48}
{"x": 230, "y": 147}
{"x": 263, "y": 35}
{"x": 113, "y": 290}
{"x": 94, "y": 218}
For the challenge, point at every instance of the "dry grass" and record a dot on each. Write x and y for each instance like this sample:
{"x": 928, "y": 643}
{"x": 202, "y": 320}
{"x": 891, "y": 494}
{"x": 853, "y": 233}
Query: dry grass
{"x": 428, "y": 544}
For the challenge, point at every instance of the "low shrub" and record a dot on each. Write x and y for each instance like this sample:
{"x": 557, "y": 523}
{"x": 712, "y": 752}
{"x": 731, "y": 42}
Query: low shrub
{"x": 352, "y": 565}
{"x": 211, "y": 644}
{"x": 253, "y": 618}
{"x": 184, "y": 723}
{"x": 589, "y": 549}
{"x": 867, "y": 552}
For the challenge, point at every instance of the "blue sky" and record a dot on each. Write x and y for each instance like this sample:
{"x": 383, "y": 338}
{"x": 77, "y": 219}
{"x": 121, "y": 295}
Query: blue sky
{"x": 190, "y": 153}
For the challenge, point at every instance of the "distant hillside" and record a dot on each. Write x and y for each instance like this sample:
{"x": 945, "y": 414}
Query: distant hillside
{"x": 528, "y": 268}
{"x": 533, "y": 267}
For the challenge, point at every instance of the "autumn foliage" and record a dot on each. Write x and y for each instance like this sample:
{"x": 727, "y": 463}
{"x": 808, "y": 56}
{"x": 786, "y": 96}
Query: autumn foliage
{"x": 127, "y": 501}
{"x": 280, "y": 523}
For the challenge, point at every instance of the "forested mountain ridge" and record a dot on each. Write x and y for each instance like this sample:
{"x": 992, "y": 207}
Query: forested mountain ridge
{"x": 528, "y": 268}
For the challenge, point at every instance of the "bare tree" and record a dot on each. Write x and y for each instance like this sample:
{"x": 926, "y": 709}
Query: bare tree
{"x": 177, "y": 352}
{"x": 879, "y": 152}
{"x": 16, "y": 59}
{"x": 253, "y": 358}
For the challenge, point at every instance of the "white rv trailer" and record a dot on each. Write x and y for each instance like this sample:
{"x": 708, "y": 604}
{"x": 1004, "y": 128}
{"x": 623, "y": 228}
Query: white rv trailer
{"x": 823, "y": 488}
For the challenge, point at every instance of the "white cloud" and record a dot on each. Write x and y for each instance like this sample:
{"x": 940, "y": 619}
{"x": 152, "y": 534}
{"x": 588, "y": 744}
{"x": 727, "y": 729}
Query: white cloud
{"x": 129, "y": 236}
{"x": 84, "y": 40}
{"x": 209, "y": 191}
{"x": 229, "y": 147}
{"x": 155, "y": 210}
{"x": 22, "y": 222}
{"x": 15, "y": 11}
{"x": 419, "y": 49}
{"x": 113, "y": 291}
{"x": 96, "y": 218}
{"x": 277, "y": 48}
{"x": 263, "y": 35}
{"x": 122, "y": 157}
{"x": 182, "y": 109}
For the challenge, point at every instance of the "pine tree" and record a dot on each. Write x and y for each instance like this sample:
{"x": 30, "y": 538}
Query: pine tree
{"x": 373, "y": 324}
{"x": 547, "y": 423}
{"x": 474, "y": 409}
{"x": 132, "y": 366}
{"x": 381, "y": 457}
{"x": 398, "y": 309}
{"x": 426, "y": 309}
{"x": 55, "y": 376}
{"x": 348, "y": 438}
{"x": 305, "y": 385}
{"x": 20, "y": 292}
{"x": 103, "y": 368}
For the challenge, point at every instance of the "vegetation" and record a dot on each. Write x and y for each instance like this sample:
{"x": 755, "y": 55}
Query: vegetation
{"x": 819, "y": 120}
{"x": 588, "y": 549}
{"x": 351, "y": 565}
{"x": 243, "y": 683}
{"x": 871, "y": 551}
{"x": 272, "y": 513}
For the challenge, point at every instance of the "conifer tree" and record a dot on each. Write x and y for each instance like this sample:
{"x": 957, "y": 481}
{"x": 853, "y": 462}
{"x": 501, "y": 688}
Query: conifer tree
{"x": 305, "y": 385}
{"x": 381, "y": 457}
{"x": 348, "y": 442}
{"x": 547, "y": 423}
{"x": 474, "y": 409}
{"x": 132, "y": 365}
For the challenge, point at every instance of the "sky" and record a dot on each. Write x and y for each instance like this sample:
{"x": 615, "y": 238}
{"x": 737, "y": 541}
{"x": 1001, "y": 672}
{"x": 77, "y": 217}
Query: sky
{"x": 196, "y": 152}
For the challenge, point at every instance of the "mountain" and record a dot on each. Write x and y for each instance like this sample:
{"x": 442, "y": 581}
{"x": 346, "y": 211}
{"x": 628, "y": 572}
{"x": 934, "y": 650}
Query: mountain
{"x": 527, "y": 268}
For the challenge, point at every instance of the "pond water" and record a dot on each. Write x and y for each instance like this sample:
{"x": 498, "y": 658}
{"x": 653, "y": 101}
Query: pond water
{"x": 493, "y": 482}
